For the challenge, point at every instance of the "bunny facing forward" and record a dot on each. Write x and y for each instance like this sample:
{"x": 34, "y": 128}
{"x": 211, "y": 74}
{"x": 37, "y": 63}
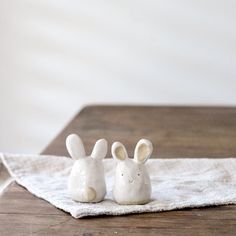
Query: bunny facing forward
{"x": 132, "y": 181}
{"x": 86, "y": 180}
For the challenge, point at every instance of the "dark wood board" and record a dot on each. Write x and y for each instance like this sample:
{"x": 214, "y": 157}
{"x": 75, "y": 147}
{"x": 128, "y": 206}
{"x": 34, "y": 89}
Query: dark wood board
{"x": 174, "y": 131}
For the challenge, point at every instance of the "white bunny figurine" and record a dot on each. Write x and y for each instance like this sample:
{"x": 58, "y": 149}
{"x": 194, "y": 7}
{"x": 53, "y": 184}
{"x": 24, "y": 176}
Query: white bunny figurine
{"x": 86, "y": 180}
{"x": 132, "y": 181}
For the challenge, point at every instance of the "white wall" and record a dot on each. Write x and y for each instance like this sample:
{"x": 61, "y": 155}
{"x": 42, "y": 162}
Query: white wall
{"x": 56, "y": 56}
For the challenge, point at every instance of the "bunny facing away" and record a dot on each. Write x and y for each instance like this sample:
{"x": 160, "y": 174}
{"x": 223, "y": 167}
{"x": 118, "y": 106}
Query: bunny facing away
{"x": 132, "y": 181}
{"x": 86, "y": 180}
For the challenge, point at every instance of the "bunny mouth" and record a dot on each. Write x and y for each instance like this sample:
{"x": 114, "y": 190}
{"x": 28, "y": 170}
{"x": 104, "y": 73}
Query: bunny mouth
{"x": 131, "y": 181}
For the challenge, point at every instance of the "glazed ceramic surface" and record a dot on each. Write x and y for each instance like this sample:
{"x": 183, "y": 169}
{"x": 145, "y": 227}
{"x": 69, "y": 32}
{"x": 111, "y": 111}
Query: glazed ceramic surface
{"x": 86, "y": 180}
{"x": 132, "y": 181}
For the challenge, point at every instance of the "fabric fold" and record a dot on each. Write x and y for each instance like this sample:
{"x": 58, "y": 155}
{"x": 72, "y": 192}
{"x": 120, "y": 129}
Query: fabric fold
{"x": 176, "y": 183}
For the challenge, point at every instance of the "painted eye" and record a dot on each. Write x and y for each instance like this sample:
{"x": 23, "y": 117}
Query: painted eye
{"x": 122, "y": 174}
{"x": 138, "y": 174}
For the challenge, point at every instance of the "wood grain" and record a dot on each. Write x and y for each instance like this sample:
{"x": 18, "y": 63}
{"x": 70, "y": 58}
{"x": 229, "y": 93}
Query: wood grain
{"x": 175, "y": 132}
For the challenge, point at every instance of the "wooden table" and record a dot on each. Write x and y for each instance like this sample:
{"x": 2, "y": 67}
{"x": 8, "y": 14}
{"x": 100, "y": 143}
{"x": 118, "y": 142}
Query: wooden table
{"x": 175, "y": 132}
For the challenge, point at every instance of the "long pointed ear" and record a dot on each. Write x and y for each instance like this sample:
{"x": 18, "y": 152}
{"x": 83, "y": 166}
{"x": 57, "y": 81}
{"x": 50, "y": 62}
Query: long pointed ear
{"x": 118, "y": 151}
{"x": 100, "y": 149}
{"x": 143, "y": 151}
{"x": 75, "y": 146}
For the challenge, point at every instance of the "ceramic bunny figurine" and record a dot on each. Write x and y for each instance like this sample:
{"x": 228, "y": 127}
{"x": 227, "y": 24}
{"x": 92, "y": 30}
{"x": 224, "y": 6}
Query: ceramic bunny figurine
{"x": 86, "y": 180}
{"x": 132, "y": 181}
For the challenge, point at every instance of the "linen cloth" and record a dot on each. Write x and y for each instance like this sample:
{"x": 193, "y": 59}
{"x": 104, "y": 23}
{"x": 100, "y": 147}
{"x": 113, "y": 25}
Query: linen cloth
{"x": 176, "y": 183}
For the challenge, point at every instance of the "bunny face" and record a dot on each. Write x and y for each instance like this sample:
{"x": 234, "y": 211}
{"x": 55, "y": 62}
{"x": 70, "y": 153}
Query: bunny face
{"x": 87, "y": 180}
{"x": 132, "y": 181}
{"x": 130, "y": 173}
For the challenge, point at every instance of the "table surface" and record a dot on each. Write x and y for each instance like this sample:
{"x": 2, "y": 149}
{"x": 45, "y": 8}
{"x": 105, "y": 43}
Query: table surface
{"x": 174, "y": 131}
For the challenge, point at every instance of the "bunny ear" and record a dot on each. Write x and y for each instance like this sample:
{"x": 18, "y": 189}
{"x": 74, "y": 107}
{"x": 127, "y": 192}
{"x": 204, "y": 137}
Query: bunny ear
{"x": 75, "y": 146}
{"x": 118, "y": 151}
{"x": 143, "y": 151}
{"x": 100, "y": 149}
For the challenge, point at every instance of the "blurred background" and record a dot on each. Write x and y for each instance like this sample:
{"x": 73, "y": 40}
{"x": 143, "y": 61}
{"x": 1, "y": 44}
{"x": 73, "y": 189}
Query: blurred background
{"x": 58, "y": 56}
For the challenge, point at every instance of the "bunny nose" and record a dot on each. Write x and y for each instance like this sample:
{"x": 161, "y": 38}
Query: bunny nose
{"x": 131, "y": 180}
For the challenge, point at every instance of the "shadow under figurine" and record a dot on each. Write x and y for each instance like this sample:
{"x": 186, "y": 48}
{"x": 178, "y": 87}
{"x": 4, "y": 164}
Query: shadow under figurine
{"x": 132, "y": 181}
{"x": 86, "y": 180}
